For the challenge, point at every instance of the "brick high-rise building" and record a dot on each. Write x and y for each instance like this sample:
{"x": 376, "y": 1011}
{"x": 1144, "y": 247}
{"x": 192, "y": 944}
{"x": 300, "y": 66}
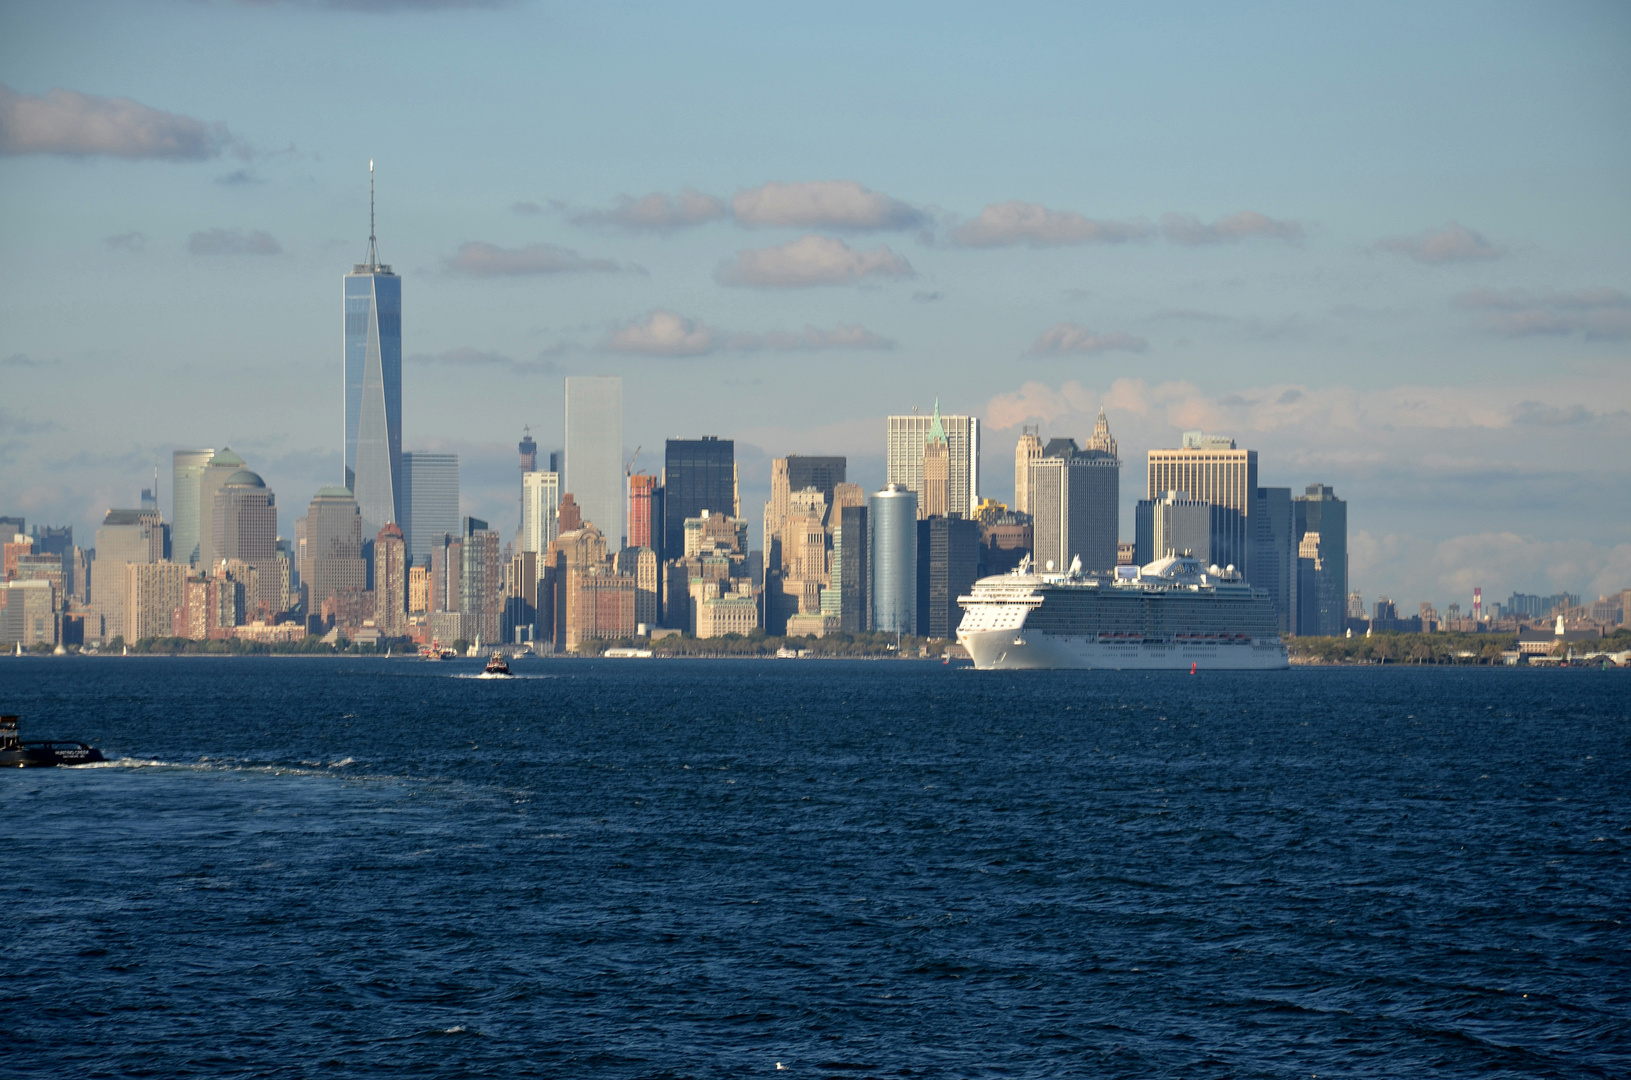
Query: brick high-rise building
{"x": 391, "y": 581}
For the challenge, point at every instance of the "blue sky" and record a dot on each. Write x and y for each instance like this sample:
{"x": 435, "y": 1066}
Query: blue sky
{"x": 1385, "y": 245}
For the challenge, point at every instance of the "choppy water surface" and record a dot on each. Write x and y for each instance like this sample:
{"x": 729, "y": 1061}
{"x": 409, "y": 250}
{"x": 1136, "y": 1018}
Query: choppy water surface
{"x": 646, "y": 868}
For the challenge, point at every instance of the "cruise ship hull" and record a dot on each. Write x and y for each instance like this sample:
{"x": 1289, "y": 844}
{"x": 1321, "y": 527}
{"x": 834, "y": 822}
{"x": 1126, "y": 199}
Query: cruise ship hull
{"x": 1029, "y": 650}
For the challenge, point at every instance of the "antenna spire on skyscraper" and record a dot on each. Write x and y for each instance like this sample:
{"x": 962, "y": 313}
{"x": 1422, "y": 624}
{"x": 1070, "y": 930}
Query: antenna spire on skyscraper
{"x": 373, "y": 254}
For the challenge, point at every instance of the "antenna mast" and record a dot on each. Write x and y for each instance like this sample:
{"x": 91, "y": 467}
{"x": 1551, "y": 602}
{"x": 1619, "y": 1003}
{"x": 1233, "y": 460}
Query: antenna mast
{"x": 373, "y": 255}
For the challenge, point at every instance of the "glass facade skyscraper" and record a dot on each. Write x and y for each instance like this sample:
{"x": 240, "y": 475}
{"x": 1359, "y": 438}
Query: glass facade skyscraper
{"x": 373, "y": 386}
{"x": 594, "y": 451}
{"x": 698, "y": 475}
{"x": 185, "y": 513}
{"x": 430, "y": 497}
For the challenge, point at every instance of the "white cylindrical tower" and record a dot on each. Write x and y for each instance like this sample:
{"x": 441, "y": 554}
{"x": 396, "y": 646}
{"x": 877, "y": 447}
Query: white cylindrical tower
{"x": 892, "y": 544}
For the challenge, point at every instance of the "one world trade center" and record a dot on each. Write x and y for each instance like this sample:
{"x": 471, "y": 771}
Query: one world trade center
{"x": 373, "y": 386}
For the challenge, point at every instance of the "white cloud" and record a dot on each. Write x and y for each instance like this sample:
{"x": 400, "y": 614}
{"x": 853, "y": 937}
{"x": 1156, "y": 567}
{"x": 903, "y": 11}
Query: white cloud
{"x": 1068, "y": 337}
{"x": 656, "y": 212}
{"x": 1190, "y": 231}
{"x": 823, "y": 204}
{"x": 1010, "y": 223}
{"x": 1452, "y": 244}
{"x": 82, "y": 125}
{"x": 1601, "y": 313}
{"x": 810, "y": 260}
{"x": 667, "y": 333}
{"x": 476, "y": 359}
{"x": 232, "y": 242}
{"x": 489, "y": 260}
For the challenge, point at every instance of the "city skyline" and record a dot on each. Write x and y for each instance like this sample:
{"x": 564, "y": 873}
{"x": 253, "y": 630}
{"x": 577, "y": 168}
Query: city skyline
{"x": 1441, "y": 337}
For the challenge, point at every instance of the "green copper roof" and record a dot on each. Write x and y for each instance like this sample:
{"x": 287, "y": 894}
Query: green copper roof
{"x": 936, "y": 431}
{"x": 333, "y": 491}
{"x": 245, "y": 478}
{"x": 225, "y": 458}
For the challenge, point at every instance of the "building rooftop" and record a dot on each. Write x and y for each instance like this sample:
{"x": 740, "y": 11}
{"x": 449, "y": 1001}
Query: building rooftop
{"x": 245, "y": 478}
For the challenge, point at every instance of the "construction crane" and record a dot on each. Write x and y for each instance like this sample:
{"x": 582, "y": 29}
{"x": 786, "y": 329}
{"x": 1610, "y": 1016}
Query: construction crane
{"x": 628, "y": 470}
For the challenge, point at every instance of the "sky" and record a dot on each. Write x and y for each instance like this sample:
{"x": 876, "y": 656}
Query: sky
{"x": 1387, "y": 246}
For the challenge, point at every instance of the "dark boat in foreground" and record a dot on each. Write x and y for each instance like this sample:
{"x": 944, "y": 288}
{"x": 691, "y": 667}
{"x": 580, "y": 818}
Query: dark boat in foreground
{"x": 497, "y": 667}
{"x": 15, "y": 753}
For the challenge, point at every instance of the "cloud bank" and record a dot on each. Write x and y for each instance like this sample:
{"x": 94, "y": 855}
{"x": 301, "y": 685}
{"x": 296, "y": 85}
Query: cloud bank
{"x": 1454, "y": 243}
{"x": 1188, "y": 230}
{"x": 824, "y": 204}
{"x": 1598, "y": 314}
{"x": 1013, "y": 223}
{"x": 667, "y": 333}
{"x": 657, "y": 212}
{"x": 480, "y": 259}
{"x": 1068, "y": 337}
{"x": 469, "y": 359}
{"x": 227, "y": 242}
{"x": 72, "y": 124}
{"x": 810, "y": 260}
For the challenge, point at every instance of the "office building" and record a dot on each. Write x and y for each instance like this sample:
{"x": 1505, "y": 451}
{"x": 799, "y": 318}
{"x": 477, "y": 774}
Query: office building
{"x": 186, "y": 513}
{"x": 222, "y": 464}
{"x": 481, "y": 599}
{"x": 849, "y": 586}
{"x": 391, "y": 581}
{"x": 1320, "y": 511}
{"x": 430, "y": 492}
{"x": 1273, "y": 556}
{"x": 907, "y": 437}
{"x": 1212, "y": 470}
{"x": 372, "y": 365}
{"x": 28, "y": 616}
{"x": 1028, "y": 450}
{"x": 1075, "y": 507}
{"x": 1178, "y": 524}
{"x": 934, "y": 500}
{"x": 594, "y": 450}
{"x": 640, "y": 564}
{"x": 892, "y": 559}
{"x": 540, "y": 507}
{"x": 698, "y": 475}
{"x": 521, "y": 597}
{"x": 244, "y": 528}
{"x": 328, "y": 547}
{"x": 126, "y": 537}
{"x": 948, "y": 562}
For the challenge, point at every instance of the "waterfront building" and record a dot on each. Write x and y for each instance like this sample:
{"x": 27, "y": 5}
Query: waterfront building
{"x": 1273, "y": 557}
{"x": 391, "y": 581}
{"x": 907, "y": 438}
{"x": 698, "y": 475}
{"x": 948, "y": 564}
{"x": 418, "y": 589}
{"x": 481, "y": 598}
{"x": 594, "y": 450}
{"x": 1075, "y": 507}
{"x": 328, "y": 547}
{"x": 126, "y": 537}
{"x": 892, "y": 559}
{"x": 1212, "y": 470}
{"x": 1320, "y": 511}
{"x": 540, "y": 508}
{"x": 430, "y": 493}
{"x": 153, "y": 594}
{"x": 186, "y": 513}
{"x": 28, "y": 616}
{"x": 372, "y": 369}
{"x": 222, "y": 464}
{"x": 244, "y": 528}
{"x": 724, "y": 613}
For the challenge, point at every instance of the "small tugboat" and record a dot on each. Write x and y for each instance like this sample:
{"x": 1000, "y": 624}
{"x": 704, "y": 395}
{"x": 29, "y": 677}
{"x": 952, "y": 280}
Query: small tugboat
{"x": 14, "y": 753}
{"x": 497, "y": 668}
{"x": 434, "y": 651}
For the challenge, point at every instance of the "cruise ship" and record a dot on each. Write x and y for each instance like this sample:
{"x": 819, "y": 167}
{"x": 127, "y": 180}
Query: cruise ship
{"x": 1174, "y": 613}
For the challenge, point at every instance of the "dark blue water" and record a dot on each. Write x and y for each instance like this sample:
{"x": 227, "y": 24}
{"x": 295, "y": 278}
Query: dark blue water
{"x": 318, "y": 866}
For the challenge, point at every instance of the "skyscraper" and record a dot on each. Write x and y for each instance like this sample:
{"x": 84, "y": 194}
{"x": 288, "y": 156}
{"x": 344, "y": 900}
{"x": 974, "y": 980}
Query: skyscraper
{"x": 222, "y": 464}
{"x": 849, "y": 569}
{"x": 1211, "y": 469}
{"x": 540, "y": 503}
{"x": 698, "y": 475}
{"x": 594, "y": 450}
{"x": 1320, "y": 511}
{"x": 935, "y": 498}
{"x": 646, "y": 513}
{"x": 430, "y": 490}
{"x": 185, "y": 512}
{"x": 373, "y": 385}
{"x": 390, "y": 582}
{"x": 908, "y": 435}
{"x": 528, "y": 449}
{"x": 1075, "y": 506}
{"x": 948, "y": 562}
{"x": 481, "y": 599}
{"x": 1027, "y": 451}
{"x": 892, "y": 558}
{"x": 126, "y": 536}
{"x": 244, "y": 526}
{"x": 328, "y": 543}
